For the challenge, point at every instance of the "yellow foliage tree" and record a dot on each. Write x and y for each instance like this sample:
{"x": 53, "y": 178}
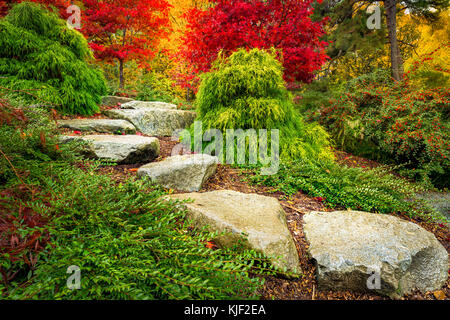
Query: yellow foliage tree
{"x": 431, "y": 55}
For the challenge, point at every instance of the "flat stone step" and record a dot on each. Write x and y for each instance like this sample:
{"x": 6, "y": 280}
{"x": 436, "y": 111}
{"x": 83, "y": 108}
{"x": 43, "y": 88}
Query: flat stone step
{"x": 98, "y": 125}
{"x": 135, "y": 104}
{"x": 114, "y": 100}
{"x": 119, "y": 148}
{"x": 154, "y": 121}
{"x": 261, "y": 218}
{"x": 181, "y": 172}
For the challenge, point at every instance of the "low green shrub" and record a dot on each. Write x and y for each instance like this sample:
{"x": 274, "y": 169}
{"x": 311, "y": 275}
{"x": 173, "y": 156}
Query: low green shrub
{"x": 128, "y": 244}
{"x": 374, "y": 190}
{"x": 312, "y": 96}
{"x": 155, "y": 86}
{"x": 43, "y": 61}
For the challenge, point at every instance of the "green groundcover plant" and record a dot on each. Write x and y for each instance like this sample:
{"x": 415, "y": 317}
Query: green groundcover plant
{"x": 129, "y": 243}
{"x": 341, "y": 187}
{"x": 247, "y": 91}
{"x": 44, "y": 61}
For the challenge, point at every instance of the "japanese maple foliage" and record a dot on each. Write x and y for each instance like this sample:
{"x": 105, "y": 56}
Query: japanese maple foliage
{"x": 123, "y": 30}
{"x": 232, "y": 24}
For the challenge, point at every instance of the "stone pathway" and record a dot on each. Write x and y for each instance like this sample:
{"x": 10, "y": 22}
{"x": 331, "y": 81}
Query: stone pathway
{"x": 345, "y": 245}
{"x": 181, "y": 172}
{"x": 152, "y": 118}
{"x": 260, "y": 219}
{"x": 119, "y": 148}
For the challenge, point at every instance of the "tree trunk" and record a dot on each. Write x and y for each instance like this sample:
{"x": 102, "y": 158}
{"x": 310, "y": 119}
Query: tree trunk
{"x": 396, "y": 57}
{"x": 188, "y": 94}
{"x": 121, "y": 80}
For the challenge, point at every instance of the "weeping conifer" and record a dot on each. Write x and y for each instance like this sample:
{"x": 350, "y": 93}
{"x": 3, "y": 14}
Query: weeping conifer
{"x": 42, "y": 60}
{"x": 247, "y": 91}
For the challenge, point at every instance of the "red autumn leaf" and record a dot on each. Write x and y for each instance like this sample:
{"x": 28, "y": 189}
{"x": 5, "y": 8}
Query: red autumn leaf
{"x": 231, "y": 24}
{"x": 210, "y": 245}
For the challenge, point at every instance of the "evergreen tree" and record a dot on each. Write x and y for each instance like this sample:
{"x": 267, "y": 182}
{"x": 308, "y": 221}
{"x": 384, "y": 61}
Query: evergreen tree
{"x": 247, "y": 91}
{"x": 42, "y": 60}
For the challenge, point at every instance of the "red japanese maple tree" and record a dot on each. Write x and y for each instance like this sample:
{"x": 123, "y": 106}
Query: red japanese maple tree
{"x": 232, "y": 24}
{"x": 123, "y": 30}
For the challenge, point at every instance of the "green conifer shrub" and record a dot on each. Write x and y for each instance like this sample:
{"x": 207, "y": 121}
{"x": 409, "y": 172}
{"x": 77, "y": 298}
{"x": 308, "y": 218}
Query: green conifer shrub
{"x": 247, "y": 91}
{"x": 42, "y": 60}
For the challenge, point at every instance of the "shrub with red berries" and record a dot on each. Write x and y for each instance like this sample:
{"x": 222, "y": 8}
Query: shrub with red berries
{"x": 394, "y": 121}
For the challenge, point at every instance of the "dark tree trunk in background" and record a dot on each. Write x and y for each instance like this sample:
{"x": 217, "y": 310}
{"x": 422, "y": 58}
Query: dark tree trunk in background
{"x": 121, "y": 80}
{"x": 396, "y": 57}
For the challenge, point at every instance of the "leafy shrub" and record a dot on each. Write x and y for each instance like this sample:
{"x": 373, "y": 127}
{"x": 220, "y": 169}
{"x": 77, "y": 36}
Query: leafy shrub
{"x": 394, "y": 122}
{"x": 56, "y": 211}
{"x": 42, "y": 60}
{"x": 156, "y": 86}
{"x": 310, "y": 97}
{"x": 338, "y": 186}
{"x": 24, "y": 137}
{"x": 128, "y": 243}
{"x": 27, "y": 134}
{"x": 247, "y": 90}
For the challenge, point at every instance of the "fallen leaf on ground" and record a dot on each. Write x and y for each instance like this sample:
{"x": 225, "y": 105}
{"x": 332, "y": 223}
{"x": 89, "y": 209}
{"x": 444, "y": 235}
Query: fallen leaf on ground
{"x": 210, "y": 245}
{"x": 440, "y": 295}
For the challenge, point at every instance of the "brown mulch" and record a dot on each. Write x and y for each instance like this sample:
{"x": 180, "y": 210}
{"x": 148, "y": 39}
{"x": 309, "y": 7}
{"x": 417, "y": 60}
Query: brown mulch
{"x": 353, "y": 161}
{"x": 304, "y": 288}
{"x": 165, "y": 147}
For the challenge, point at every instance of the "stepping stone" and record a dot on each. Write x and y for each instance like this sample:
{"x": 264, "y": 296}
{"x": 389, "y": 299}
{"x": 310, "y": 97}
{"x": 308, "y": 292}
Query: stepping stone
{"x": 147, "y": 104}
{"x": 119, "y": 148}
{"x": 261, "y": 218}
{"x": 354, "y": 249}
{"x": 154, "y": 121}
{"x": 98, "y": 125}
{"x": 181, "y": 172}
{"x": 113, "y": 100}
